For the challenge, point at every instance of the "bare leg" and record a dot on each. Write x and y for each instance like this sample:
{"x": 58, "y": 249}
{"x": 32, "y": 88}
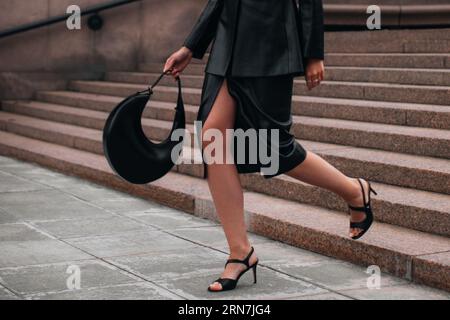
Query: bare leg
{"x": 316, "y": 171}
{"x": 225, "y": 187}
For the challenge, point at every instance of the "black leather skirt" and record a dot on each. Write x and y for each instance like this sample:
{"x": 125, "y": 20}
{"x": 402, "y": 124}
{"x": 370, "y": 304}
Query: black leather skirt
{"x": 262, "y": 103}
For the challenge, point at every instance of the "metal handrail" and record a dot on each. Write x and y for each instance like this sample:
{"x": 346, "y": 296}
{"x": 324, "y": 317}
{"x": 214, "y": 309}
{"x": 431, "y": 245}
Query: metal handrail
{"x": 61, "y": 18}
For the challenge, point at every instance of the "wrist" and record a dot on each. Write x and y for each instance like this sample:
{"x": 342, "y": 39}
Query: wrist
{"x": 187, "y": 50}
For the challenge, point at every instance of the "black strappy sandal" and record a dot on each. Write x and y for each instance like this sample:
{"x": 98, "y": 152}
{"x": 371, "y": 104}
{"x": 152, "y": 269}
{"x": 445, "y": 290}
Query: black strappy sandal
{"x": 230, "y": 284}
{"x": 367, "y": 209}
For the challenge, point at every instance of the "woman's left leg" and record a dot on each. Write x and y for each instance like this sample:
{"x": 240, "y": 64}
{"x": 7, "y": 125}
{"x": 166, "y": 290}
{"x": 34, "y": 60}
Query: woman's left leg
{"x": 317, "y": 171}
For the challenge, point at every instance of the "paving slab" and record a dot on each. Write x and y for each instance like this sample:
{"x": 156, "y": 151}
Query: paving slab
{"x": 129, "y": 248}
{"x": 47, "y": 205}
{"x": 136, "y": 291}
{"x": 335, "y": 275}
{"x": 402, "y": 292}
{"x": 212, "y": 236}
{"x": 322, "y": 296}
{"x": 20, "y": 232}
{"x": 86, "y": 227}
{"x": 11, "y": 183}
{"x": 170, "y": 219}
{"x": 271, "y": 285}
{"x": 6, "y": 160}
{"x": 123, "y": 205}
{"x": 54, "y": 278}
{"x": 6, "y": 217}
{"x": 6, "y": 294}
{"x": 22, "y": 253}
{"x": 163, "y": 266}
{"x": 130, "y": 243}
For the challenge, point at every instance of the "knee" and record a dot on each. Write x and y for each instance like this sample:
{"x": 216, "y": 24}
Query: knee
{"x": 214, "y": 130}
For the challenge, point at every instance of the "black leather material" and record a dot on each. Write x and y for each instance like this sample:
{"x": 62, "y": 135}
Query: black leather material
{"x": 129, "y": 152}
{"x": 259, "y": 37}
{"x": 261, "y": 103}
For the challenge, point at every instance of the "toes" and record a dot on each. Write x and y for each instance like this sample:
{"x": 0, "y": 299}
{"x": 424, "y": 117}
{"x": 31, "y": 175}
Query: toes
{"x": 355, "y": 232}
{"x": 216, "y": 286}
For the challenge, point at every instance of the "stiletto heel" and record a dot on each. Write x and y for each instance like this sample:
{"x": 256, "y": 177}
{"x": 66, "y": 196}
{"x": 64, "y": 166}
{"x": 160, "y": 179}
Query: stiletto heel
{"x": 367, "y": 209}
{"x": 230, "y": 284}
{"x": 254, "y": 271}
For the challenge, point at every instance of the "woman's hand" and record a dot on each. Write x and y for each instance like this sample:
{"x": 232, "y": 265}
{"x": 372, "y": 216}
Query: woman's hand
{"x": 314, "y": 73}
{"x": 178, "y": 61}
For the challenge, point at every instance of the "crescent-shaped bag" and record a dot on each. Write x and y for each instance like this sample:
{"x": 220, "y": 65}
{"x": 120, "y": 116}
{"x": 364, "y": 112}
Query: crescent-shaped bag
{"x": 129, "y": 152}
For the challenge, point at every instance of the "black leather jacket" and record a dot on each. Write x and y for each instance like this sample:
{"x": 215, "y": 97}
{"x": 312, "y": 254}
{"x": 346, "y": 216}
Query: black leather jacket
{"x": 260, "y": 37}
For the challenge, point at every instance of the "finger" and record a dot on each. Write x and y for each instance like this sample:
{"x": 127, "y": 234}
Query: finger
{"x": 308, "y": 81}
{"x": 175, "y": 72}
{"x": 169, "y": 64}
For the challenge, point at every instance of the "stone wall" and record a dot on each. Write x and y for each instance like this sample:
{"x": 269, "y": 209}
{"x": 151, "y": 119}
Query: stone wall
{"x": 148, "y": 30}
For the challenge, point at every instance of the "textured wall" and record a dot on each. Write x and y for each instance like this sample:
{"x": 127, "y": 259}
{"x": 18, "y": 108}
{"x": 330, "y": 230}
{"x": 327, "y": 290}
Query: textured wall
{"x": 47, "y": 58}
{"x": 146, "y": 30}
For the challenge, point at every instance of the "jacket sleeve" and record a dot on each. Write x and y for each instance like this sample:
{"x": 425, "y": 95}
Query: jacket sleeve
{"x": 205, "y": 29}
{"x": 311, "y": 27}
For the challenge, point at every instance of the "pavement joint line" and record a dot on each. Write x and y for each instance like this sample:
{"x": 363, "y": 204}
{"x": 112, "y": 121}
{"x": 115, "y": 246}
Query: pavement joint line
{"x": 43, "y": 294}
{"x": 22, "y": 191}
{"x": 42, "y": 265}
{"x": 318, "y": 295}
{"x": 129, "y": 272}
{"x": 37, "y": 229}
{"x": 11, "y": 291}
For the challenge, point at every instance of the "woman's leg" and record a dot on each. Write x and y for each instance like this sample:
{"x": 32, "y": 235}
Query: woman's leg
{"x": 316, "y": 171}
{"x": 225, "y": 186}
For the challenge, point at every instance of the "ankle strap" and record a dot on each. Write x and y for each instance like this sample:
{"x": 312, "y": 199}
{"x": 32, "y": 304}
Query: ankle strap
{"x": 244, "y": 261}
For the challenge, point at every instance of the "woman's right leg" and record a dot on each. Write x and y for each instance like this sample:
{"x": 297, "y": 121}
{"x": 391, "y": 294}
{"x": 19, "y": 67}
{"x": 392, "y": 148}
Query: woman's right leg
{"x": 225, "y": 186}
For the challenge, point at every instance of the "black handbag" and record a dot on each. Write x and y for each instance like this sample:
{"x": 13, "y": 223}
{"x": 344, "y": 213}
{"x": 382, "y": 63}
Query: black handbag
{"x": 129, "y": 152}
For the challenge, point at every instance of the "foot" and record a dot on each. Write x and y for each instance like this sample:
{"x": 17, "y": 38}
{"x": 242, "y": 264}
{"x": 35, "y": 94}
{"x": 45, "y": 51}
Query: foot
{"x": 232, "y": 270}
{"x": 358, "y": 216}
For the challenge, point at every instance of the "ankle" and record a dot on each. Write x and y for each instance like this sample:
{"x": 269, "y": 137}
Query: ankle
{"x": 240, "y": 251}
{"x": 354, "y": 197}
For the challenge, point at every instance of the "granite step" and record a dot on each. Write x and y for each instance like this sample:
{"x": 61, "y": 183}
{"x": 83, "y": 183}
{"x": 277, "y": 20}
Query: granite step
{"x": 378, "y": 60}
{"x": 430, "y": 143}
{"x": 407, "y": 114}
{"x": 389, "y": 41}
{"x": 389, "y": 60}
{"x": 438, "y": 95}
{"x": 412, "y": 140}
{"x": 425, "y": 173}
{"x": 397, "y": 209}
{"x": 414, "y": 76}
{"x": 414, "y": 255}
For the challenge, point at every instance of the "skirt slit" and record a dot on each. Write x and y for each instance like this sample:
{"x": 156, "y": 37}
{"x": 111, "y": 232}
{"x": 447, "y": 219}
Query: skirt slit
{"x": 261, "y": 103}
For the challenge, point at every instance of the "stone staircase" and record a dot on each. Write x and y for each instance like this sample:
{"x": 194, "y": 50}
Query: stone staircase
{"x": 383, "y": 114}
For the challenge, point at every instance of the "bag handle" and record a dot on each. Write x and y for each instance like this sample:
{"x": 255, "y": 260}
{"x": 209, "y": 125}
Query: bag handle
{"x": 160, "y": 78}
{"x": 180, "y": 104}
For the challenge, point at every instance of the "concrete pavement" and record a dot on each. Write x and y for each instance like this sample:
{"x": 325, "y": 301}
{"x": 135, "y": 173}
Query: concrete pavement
{"x": 64, "y": 238}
